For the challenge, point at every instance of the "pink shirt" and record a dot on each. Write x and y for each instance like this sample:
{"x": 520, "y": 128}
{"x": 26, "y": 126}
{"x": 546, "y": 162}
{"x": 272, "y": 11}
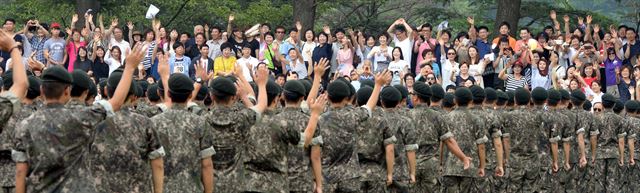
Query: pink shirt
{"x": 423, "y": 47}
{"x": 345, "y": 61}
{"x": 72, "y": 49}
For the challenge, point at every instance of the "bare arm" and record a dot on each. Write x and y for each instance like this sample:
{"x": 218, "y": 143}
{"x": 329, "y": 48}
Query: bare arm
{"x": 261, "y": 81}
{"x": 390, "y": 161}
{"x": 621, "y": 149}
{"x": 554, "y": 156}
{"x": 482, "y": 156}
{"x": 316, "y": 165}
{"x": 594, "y": 143}
{"x": 497, "y": 144}
{"x": 506, "y": 142}
{"x": 411, "y": 158}
{"x": 207, "y": 174}
{"x": 632, "y": 149}
{"x": 132, "y": 62}
{"x": 21, "y": 177}
{"x": 453, "y": 147}
{"x": 20, "y": 82}
{"x": 157, "y": 170}
{"x": 473, "y": 33}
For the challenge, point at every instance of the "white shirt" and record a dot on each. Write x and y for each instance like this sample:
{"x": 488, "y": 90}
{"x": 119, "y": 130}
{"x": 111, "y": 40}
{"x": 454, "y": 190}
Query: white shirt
{"x": 397, "y": 68}
{"x": 253, "y": 63}
{"x": 113, "y": 64}
{"x": 307, "y": 50}
{"x": 124, "y": 46}
{"x": 447, "y": 68}
{"x": 406, "y": 46}
{"x": 378, "y": 56}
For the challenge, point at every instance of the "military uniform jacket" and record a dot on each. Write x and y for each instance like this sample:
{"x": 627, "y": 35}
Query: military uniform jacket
{"x": 7, "y": 166}
{"x": 54, "y": 142}
{"x": 493, "y": 126}
{"x": 405, "y": 133}
{"x": 186, "y": 139}
{"x": 613, "y": 128}
{"x": 525, "y": 128}
{"x": 121, "y": 151}
{"x": 300, "y": 177}
{"x": 373, "y": 136}
{"x": 9, "y": 103}
{"x": 429, "y": 132}
{"x": 75, "y": 104}
{"x": 469, "y": 131}
{"x": 580, "y": 122}
{"x": 555, "y": 123}
{"x": 230, "y": 131}
{"x": 632, "y": 133}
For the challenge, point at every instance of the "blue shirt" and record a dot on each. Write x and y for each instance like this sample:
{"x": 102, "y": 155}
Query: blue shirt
{"x": 483, "y": 48}
{"x": 284, "y": 49}
{"x": 179, "y": 65}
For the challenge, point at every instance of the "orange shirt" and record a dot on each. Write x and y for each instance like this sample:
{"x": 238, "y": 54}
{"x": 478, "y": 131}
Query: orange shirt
{"x": 512, "y": 42}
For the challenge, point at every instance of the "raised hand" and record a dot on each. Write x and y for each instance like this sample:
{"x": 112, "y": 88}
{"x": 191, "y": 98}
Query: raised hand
{"x": 589, "y": 19}
{"x": 262, "y": 76}
{"x": 74, "y": 18}
{"x": 163, "y": 65}
{"x": 326, "y": 29}
{"x": 231, "y": 17}
{"x": 470, "y": 20}
{"x": 200, "y": 71}
{"x": 130, "y": 25}
{"x": 321, "y": 67}
{"x": 317, "y": 105}
{"x": 299, "y": 26}
{"x": 580, "y": 20}
{"x": 156, "y": 24}
{"x": 6, "y": 41}
{"x": 89, "y": 18}
{"x": 206, "y": 27}
{"x": 596, "y": 28}
{"x": 135, "y": 57}
{"x": 114, "y": 22}
{"x": 383, "y": 78}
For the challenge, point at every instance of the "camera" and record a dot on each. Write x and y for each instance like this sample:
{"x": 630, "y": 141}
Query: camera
{"x": 32, "y": 26}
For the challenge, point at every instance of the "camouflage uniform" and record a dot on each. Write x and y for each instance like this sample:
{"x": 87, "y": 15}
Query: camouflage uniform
{"x": 152, "y": 110}
{"x": 9, "y": 103}
{"x": 405, "y": 132}
{"x": 120, "y": 153}
{"x": 579, "y": 122}
{"x": 606, "y": 171}
{"x": 55, "y": 141}
{"x": 186, "y": 139}
{"x": 340, "y": 167}
{"x": 373, "y": 136}
{"x": 7, "y": 166}
{"x": 524, "y": 130}
{"x": 198, "y": 108}
{"x": 633, "y": 171}
{"x": 268, "y": 146}
{"x": 469, "y": 131}
{"x": 429, "y": 133}
{"x": 75, "y": 104}
{"x": 230, "y": 129}
{"x": 493, "y": 126}
{"x": 555, "y": 124}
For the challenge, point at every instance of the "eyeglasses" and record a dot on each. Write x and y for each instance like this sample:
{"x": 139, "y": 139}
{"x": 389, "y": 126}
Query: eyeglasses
{"x": 279, "y": 32}
{"x": 597, "y": 110}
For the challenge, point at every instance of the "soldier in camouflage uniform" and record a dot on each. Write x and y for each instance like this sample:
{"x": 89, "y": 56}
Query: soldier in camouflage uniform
{"x": 607, "y": 170}
{"x": 553, "y": 124}
{"x": 123, "y": 146}
{"x": 376, "y": 143}
{"x": 158, "y": 107}
{"x": 493, "y": 127}
{"x": 200, "y": 108}
{"x": 153, "y": 99}
{"x": 339, "y": 161}
{"x": 632, "y": 108}
{"x": 186, "y": 137}
{"x": 429, "y": 134}
{"x": 7, "y": 166}
{"x": 61, "y": 165}
{"x": 522, "y": 132}
{"x": 274, "y": 136}
{"x": 404, "y": 174}
{"x": 79, "y": 89}
{"x": 471, "y": 135}
{"x": 10, "y": 99}
{"x": 437, "y": 96}
{"x": 231, "y": 124}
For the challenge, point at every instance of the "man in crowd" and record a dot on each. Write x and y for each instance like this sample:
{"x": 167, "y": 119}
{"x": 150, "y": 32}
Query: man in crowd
{"x": 54, "y": 48}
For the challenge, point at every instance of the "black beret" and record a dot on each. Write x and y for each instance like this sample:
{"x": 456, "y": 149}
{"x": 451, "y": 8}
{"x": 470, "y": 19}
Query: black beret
{"x": 490, "y": 94}
{"x": 273, "y": 88}
{"x": 554, "y": 96}
{"x": 437, "y": 92}
{"x": 114, "y": 80}
{"x": 539, "y": 94}
{"x": 34, "y": 87}
{"x": 367, "y": 82}
{"x": 403, "y": 91}
{"x": 390, "y": 94}
{"x": 144, "y": 85}
{"x": 295, "y": 86}
{"x": 619, "y": 106}
{"x": 222, "y": 86}
{"x": 512, "y": 95}
{"x": 137, "y": 89}
{"x": 7, "y": 79}
{"x": 632, "y": 106}
{"x": 307, "y": 86}
{"x": 608, "y": 100}
{"x": 565, "y": 94}
{"x": 180, "y": 84}
{"x": 502, "y": 96}
{"x": 477, "y": 93}
{"x": 422, "y": 90}
{"x": 57, "y": 74}
{"x": 338, "y": 89}
{"x": 463, "y": 95}
{"x": 448, "y": 100}
{"x": 93, "y": 89}
{"x": 352, "y": 90}
{"x": 586, "y": 106}
{"x": 233, "y": 79}
{"x": 363, "y": 94}
{"x": 202, "y": 93}
{"x": 80, "y": 80}
{"x": 152, "y": 93}
{"x": 578, "y": 96}
{"x": 522, "y": 96}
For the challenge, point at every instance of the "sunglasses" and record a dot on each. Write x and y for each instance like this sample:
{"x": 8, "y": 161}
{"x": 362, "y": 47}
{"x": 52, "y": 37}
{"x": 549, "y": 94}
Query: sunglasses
{"x": 597, "y": 110}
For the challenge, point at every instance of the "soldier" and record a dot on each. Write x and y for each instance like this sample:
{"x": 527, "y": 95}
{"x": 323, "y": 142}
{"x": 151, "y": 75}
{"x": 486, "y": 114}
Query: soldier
{"x": 429, "y": 134}
{"x": 79, "y": 89}
{"x": 274, "y": 136}
{"x": 610, "y": 148}
{"x": 553, "y": 125}
{"x": 521, "y": 134}
{"x": 376, "y": 147}
{"x": 60, "y": 165}
{"x": 231, "y": 123}
{"x": 186, "y": 137}
{"x": 159, "y": 107}
{"x": 91, "y": 96}
{"x": 405, "y": 159}
{"x": 153, "y": 99}
{"x": 437, "y": 96}
{"x": 10, "y": 99}
{"x": 483, "y": 108}
{"x": 471, "y": 139}
{"x": 7, "y": 166}
{"x": 200, "y": 108}
{"x": 633, "y": 172}
{"x": 337, "y": 129}
{"x": 448, "y": 103}
{"x": 123, "y": 147}
{"x": 581, "y": 124}
{"x": 500, "y": 184}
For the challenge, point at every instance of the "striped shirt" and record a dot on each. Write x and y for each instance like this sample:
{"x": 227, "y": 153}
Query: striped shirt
{"x": 147, "y": 57}
{"x": 512, "y": 83}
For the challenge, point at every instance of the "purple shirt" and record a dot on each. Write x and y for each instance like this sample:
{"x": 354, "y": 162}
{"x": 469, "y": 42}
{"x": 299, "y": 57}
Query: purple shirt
{"x": 610, "y": 70}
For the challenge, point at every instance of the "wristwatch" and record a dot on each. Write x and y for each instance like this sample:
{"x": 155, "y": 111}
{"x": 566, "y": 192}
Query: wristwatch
{"x": 199, "y": 80}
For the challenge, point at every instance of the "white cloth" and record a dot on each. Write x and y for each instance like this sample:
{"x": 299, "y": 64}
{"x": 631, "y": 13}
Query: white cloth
{"x": 406, "y": 45}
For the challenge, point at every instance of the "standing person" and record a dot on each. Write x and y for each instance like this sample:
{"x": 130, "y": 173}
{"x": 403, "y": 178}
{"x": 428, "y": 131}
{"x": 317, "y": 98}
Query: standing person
{"x": 215, "y": 42}
{"x": 424, "y": 42}
{"x": 82, "y": 62}
{"x": 54, "y": 48}
{"x": 552, "y": 126}
{"x": 402, "y": 33}
{"x": 337, "y": 39}
{"x": 345, "y": 57}
{"x": 231, "y": 123}
{"x": 463, "y": 76}
{"x": 610, "y": 148}
{"x": 632, "y": 107}
{"x": 612, "y": 65}
{"x": 178, "y": 62}
{"x": 296, "y": 64}
{"x": 582, "y": 127}
{"x": 202, "y": 59}
{"x": 472, "y": 139}
{"x": 126, "y": 146}
{"x": 339, "y": 160}
{"x": 398, "y": 66}
{"x": 118, "y": 38}
{"x": 308, "y": 45}
{"x": 189, "y": 149}
{"x": 38, "y": 40}
{"x": 73, "y": 44}
{"x": 626, "y": 84}
{"x": 70, "y": 169}
{"x": 99, "y": 67}
{"x": 504, "y": 30}
{"x": 631, "y": 48}
{"x": 477, "y": 66}
{"x": 323, "y": 50}
{"x": 225, "y": 64}
{"x": 269, "y": 54}
{"x": 381, "y": 55}
{"x": 540, "y": 75}
{"x": 248, "y": 63}
{"x": 114, "y": 59}
{"x": 449, "y": 68}
{"x": 515, "y": 80}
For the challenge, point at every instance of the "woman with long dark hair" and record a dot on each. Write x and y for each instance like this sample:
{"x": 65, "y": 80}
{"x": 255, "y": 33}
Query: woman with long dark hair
{"x": 99, "y": 68}
{"x": 82, "y": 61}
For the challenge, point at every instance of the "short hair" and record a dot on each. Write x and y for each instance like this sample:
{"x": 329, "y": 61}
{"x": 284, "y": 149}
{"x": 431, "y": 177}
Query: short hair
{"x": 53, "y": 90}
{"x": 201, "y": 34}
{"x": 185, "y": 33}
{"x": 526, "y": 29}
{"x": 9, "y": 20}
{"x": 339, "y": 30}
{"x": 77, "y": 91}
{"x": 483, "y": 28}
{"x": 204, "y": 46}
{"x": 631, "y": 29}
{"x": 216, "y": 28}
{"x": 623, "y": 26}
{"x": 176, "y": 45}
{"x": 293, "y": 30}
{"x": 281, "y": 76}
{"x": 400, "y": 28}
{"x": 504, "y": 23}
{"x": 427, "y": 25}
{"x": 281, "y": 27}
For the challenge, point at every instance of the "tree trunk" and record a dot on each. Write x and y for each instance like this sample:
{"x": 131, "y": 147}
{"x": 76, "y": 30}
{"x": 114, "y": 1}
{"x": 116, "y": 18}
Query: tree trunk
{"x": 508, "y": 11}
{"x": 81, "y": 9}
{"x": 305, "y": 12}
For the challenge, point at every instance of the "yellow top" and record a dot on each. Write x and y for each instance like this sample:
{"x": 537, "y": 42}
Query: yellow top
{"x": 224, "y": 65}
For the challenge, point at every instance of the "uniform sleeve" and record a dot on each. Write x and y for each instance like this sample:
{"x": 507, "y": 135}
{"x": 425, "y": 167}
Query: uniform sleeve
{"x": 290, "y": 134}
{"x": 9, "y": 104}
{"x": 595, "y": 126}
{"x": 21, "y": 143}
{"x": 253, "y": 115}
{"x": 566, "y": 131}
{"x": 495, "y": 130}
{"x": 411, "y": 141}
{"x": 320, "y": 131}
{"x": 632, "y": 132}
{"x": 623, "y": 128}
{"x": 206, "y": 140}
{"x": 388, "y": 135}
{"x": 154, "y": 147}
{"x": 363, "y": 113}
{"x": 443, "y": 130}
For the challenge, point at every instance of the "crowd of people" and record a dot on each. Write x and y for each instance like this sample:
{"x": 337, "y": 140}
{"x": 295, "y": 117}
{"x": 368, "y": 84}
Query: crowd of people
{"x": 286, "y": 110}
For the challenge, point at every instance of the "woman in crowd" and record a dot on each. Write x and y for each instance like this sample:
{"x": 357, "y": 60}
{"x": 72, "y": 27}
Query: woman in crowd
{"x": 380, "y": 55}
{"x": 398, "y": 66}
{"x": 590, "y": 73}
{"x": 626, "y": 84}
{"x": 99, "y": 68}
{"x": 268, "y": 53}
{"x": 82, "y": 62}
{"x": 540, "y": 76}
{"x": 449, "y": 67}
{"x": 443, "y": 44}
{"x": 367, "y": 73}
{"x": 296, "y": 64}
{"x": 168, "y": 45}
{"x": 461, "y": 45}
{"x": 477, "y": 65}
{"x": 594, "y": 94}
{"x": 115, "y": 59}
{"x": 463, "y": 76}
{"x": 345, "y": 57}
{"x": 308, "y": 45}
{"x": 73, "y": 45}
{"x": 323, "y": 50}
{"x": 428, "y": 58}
{"x": 612, "y": 64}
{"x": 408, "y": 81}
{"x": 636, "y": 76}
{"x": 515, "y": 80}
